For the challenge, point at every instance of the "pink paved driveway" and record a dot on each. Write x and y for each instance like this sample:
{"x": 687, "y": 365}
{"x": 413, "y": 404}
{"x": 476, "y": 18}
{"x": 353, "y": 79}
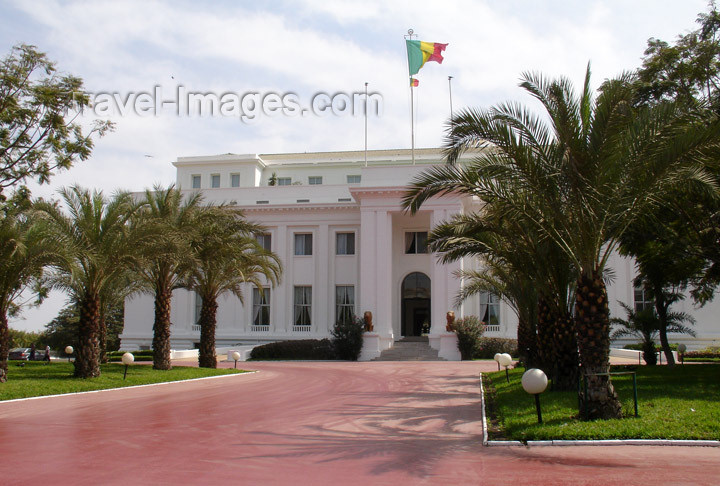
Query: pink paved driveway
{"x": 308, "y": 423}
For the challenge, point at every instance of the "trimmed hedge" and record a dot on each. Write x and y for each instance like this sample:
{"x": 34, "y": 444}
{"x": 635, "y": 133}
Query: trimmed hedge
{"x": 116, "y": 356}
{"x": 703, "y": 354}
{"x": 490, "y": 346}
{"x": 310, "y": 349}
{"x": 658, "y": 348}
{"x": 469, "y": 331}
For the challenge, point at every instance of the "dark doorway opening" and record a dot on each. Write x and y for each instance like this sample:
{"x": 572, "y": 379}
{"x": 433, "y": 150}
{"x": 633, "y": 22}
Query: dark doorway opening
{"x": 415, "y": 306}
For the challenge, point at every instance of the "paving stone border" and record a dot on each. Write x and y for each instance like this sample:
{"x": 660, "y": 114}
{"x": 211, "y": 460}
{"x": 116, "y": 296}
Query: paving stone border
{"x": 602, "y": 442}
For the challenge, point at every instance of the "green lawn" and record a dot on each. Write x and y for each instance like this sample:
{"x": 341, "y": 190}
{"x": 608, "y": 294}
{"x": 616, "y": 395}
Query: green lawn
{"x": 674, "y": 403}
{"x": 38, "y": 379}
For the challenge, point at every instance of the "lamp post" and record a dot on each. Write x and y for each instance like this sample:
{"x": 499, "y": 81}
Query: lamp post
{"x": 127, "y": 360}
{"x": 681, "y": 351}
{"x": 236, "y": 356}
{"x": 69, "y": 351}
{"x": 496, "y": 358}
{"x": 535, "y": 382}
{"x": 505, "y": 360}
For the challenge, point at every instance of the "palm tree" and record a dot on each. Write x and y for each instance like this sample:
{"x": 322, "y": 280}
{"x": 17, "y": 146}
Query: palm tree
{"x": 168, "y": 217}
{"x": 226, "y": 255}
{"x": 580, "y": 175}
{"x": 97, "y": 247}
{"x": 23, "y": 255}
{"x": 532, "y": 275}
{"x": 645, "y": 325}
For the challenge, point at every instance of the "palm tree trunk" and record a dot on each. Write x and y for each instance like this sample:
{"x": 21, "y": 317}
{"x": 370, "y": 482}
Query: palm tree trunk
{"x": 208, "y": 323}
{"x": 4, "y": 346}
{"x": 545, "y": 336}
{"x": 87, "y": 358}
{"x": 593, "y": 334}
{"x": 565, "y": 370}
{"x": 161, "y": 330}
{"x": 661, "y": 307}
{"x": 527, "y": 342}
{"x": 102, "y": 337}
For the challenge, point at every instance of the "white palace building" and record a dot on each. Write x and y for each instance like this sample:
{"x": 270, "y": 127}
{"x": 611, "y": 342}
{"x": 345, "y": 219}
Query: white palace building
{"x": 346, "y": 245}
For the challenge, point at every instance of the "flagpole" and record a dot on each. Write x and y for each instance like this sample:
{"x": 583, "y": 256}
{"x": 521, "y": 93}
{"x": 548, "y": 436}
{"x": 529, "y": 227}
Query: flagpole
{"x": 450, "y": 90}
{"x": 412, "y": 110}
{"x": 366, "y": 116}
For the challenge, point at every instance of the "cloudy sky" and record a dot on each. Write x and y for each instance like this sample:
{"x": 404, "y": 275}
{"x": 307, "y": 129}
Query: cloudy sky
{"x": 306, "y": 47}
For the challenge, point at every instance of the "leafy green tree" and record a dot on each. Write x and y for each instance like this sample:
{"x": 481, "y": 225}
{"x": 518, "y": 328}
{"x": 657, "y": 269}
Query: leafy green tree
{"x": 24, "y": 253}
{"x": 63, "y": 329}
{"x": 39, "y": 128}
{"x": 580, "y": 174}
{"x": 686, "y": 228}
{"x": 687, "y": 71}
{"x": 666, "y": 263}
{"x": 97, "y": 247}
{"x": 645, "y": 325}
{"x": 226, "y": 255}
{"x": 170, "y": 218}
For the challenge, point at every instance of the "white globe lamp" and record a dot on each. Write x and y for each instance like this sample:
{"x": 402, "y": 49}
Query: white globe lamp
{"x": 534, "y": 381}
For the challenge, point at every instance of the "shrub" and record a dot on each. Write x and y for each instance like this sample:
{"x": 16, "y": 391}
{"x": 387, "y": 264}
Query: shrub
{"x": 347, "y": 338}
{"x": 314, "y": 349}
{"x": 639, "y": 347}
{"x": 489, "y": 346}
{"x": 708, "y": 353}
{"x": 144, "y": 355}
{"x": 469, "y": 330}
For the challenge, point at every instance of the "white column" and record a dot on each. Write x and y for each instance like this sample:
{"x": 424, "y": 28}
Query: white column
{"x": 444, "y": 285}
{"x": 366, "y": 275}
{"x": 279, "y": 295}
{"x": 383, "y": 278}
{"x": 322, "y": 283}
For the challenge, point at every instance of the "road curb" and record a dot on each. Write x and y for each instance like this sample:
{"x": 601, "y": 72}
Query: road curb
{"x": 602, "y": 442}
{"x": 15, "y": 400}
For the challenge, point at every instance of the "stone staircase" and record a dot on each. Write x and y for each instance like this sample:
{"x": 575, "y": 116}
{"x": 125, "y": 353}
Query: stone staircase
{"x": 410, "y": 349}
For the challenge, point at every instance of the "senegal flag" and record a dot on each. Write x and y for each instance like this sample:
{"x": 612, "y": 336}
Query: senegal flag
{"x": 421, "y": 52}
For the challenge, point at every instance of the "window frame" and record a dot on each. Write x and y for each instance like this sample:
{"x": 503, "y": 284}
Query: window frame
{"x": 198, "y": 178}
{"x": 318, "y": 180}
{"x": 414, "y": 246}
{"x": 262, "y": 239}
{"x": 344, "y": 310}
{"x": 260, "y": 303}
{"x": 492, "y": 303}
{"x": 345, "y": 252}
{"x": 302, "y": 309}
{"x": 213, "y": 179}
{"x": 284, "y": 181}
{"x": 306, "y": 251}
{"x": 359, "y": 178}
{"x": 233, "y": 179}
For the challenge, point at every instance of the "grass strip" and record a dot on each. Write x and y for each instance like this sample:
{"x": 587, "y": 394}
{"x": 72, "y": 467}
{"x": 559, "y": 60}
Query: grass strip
{"x": 39, "y": 379}
{"x": 682, "y": 402}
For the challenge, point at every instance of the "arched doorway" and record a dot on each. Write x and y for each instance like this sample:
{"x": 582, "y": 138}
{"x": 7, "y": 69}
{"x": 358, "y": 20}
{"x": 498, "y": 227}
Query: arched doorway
{"x": 415, "y": 311}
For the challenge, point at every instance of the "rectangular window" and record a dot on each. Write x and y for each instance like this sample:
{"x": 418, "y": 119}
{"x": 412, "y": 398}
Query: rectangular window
{"x": 303, "y": 306}
{"x": 265, "y": 240}
{"x": 234, "y": 180}
{"x": 345, "y": 243}
{"x": 353, "y": 179}
{"x": 344, "y": 303}
{"x": 261, "y": 307}
{"x": 215, "y": 180}
{"x": 303, "y": 244}
{"x": 315, "y": 180}
{"x": 643, "y": 299}
{"x": 196, "y": 181}
{"x": 198, "y": 307}
{"x": 416, "y": 242}
{"x": 490, "y": 310}
{"x": 284, "y": 181}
